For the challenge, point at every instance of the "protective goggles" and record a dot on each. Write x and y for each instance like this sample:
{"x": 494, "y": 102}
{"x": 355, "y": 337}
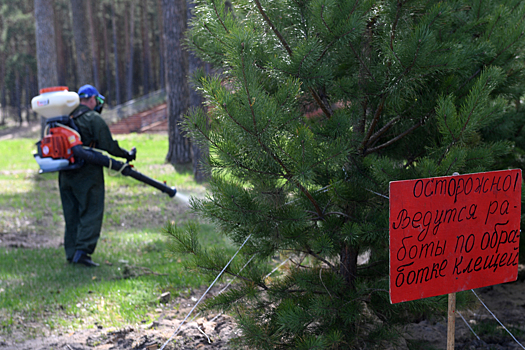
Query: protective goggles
{"x": 100, "y": 101}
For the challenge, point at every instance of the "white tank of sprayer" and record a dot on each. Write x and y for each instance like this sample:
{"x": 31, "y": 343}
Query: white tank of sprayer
{"x": 55, "y": 101}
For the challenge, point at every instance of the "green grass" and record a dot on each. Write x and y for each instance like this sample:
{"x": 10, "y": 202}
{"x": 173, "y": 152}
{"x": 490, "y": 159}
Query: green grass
{"x": 38, "y": 286}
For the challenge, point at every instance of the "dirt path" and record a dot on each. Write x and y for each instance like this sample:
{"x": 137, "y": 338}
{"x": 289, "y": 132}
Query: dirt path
{"x": 202, "y": 332}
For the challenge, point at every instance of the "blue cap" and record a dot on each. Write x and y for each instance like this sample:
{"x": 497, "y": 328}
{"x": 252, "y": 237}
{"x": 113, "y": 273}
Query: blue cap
{"x": 87, "y": 91}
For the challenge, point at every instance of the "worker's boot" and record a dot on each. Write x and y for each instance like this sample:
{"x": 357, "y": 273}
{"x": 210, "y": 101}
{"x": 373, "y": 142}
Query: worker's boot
{"x": 82, "y": 258}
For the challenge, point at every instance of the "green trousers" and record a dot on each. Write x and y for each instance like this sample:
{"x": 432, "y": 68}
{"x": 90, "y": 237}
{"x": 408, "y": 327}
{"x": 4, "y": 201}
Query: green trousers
{"x": 82, "y": 195}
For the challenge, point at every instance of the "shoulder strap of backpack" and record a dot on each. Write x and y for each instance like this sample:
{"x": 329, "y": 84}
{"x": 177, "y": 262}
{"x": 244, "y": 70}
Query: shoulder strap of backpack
{"x": 79, "y": 111}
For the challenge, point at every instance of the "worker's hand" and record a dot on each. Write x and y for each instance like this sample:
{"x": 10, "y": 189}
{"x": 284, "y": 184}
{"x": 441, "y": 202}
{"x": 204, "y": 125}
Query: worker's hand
{"x": 132, "y": 155}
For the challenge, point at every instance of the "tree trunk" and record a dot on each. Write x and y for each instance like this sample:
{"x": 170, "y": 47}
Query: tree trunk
{"x": 61, "y": 53}
{"x": 146, "y": 52}
{"x": 82, "y": 42}
{"x": 115, "y": 51}
{"x": 156, "y": 33}
{"x": 93, "y": 41}
{"x": 348, "y": 264}
{"x": 4, "y": 105}
{"x": 162, "y": 53}
{"x": 73, "y": 77}
{"x": 46, "y": 51}
{"x": 176, "y": 60}
{"x": 130, "y": 51}
{"x": 199, "y": 152}
{"x": 106, "y": 55}
{"x": 45, "y": 44}
{"x": 3, "y": 99}
{"x": 27, "y": 90}
{"x": 18, "y": 97}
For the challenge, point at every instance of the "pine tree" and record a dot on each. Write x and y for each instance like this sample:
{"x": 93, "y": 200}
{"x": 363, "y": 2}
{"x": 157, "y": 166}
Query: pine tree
{"x": 318, "y": 106}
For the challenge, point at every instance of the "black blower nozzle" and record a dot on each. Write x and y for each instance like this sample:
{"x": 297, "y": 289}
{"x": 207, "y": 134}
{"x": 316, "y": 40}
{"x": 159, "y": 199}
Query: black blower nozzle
{"x": 93, "y": 157}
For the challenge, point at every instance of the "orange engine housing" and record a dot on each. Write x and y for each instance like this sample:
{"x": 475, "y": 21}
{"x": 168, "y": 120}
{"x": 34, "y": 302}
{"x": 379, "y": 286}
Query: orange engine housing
{"x": 59, "y": 142}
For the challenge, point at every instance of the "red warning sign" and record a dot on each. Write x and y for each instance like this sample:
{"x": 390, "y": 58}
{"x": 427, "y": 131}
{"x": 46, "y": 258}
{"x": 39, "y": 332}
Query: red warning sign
{"x": 453, "y": 233}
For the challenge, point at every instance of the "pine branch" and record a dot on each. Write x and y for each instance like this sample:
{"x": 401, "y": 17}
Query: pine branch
{"x": 310, "y": 198}
{"x": 363, "y": 65}
{"x": 298, "y": 75}
{"x": 324, "y": 22}
{"x": 394, "y": 25}
{"x": 377, "y": 114}
{"x": 337, "y": 213}
{"x": 219, "y": 18}
{"x": 214, "y": 270}
{"x": 332, "y": 43}
{"x": 312, "y": 253}
{"x": 506, "y": 48}
{"x": 313, "y": 166}
{"x": 237, "y": 162}
{"x": 365, "y": 175}
{"x": 412, "y": 159}
{"x": 306, "y": 291}
{"x": 454, "y": 138}
{"x": 242, "y": 211}
{"x": 213, "y": 34}
{"x": 326, "y": 110}
{"x": 434, "y": 19}
{"x": 235, "y": 121}
{"x": 409, "y": 68}
{"x": 397, "y": 138}
{"x": 250, "y": 104}
{"x": 398, "y": 59}
{"x": 489, "y": 63}
{"x": 468, "y": 80}
{"x": 475, "y": 104}
{"x": 450, "y": 166}
{"x": 298, "y": 264}
{"x": 493, "y": 26}
{"x": 198, "y": 47}
{"x": 314, "y": 218}
{"x": 372, "y": 264}
{"x": 276, "y": 32}
{"x": 288, "y": 175}
{"x": 381, "y": 131}
{"x": 362, "y": 124}
{"x": 280, "y": 127}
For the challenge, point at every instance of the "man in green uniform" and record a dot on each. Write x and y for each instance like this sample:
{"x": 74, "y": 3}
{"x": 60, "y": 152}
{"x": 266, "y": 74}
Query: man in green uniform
{"x": 82, "y": 190}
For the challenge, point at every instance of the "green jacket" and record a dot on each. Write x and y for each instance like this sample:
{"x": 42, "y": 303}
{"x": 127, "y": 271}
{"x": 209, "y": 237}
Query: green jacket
{"x": 82, "y": 189}
{"x": 95, "y": 132}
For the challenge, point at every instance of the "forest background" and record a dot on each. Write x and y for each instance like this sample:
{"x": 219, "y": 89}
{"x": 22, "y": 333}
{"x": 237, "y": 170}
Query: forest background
{"x": 124, "y": 60}
{"x": 119, "y": 46}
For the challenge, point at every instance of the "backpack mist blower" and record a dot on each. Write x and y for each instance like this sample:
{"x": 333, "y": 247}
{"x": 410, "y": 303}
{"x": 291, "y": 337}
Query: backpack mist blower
{"x": 61, "y": 147}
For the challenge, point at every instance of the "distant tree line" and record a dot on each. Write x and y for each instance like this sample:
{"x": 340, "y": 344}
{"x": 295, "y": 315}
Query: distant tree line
{"x": 115, "y": 45}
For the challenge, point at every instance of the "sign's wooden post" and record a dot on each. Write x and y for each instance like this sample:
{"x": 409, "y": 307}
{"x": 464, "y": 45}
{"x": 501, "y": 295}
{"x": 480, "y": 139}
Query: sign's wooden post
{"x": 451, "y": 329}
{"x": 451, "y": 319}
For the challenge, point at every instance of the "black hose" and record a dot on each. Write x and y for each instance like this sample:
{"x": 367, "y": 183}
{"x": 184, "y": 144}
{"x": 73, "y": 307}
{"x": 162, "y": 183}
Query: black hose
{"x": 93, "y": 157}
